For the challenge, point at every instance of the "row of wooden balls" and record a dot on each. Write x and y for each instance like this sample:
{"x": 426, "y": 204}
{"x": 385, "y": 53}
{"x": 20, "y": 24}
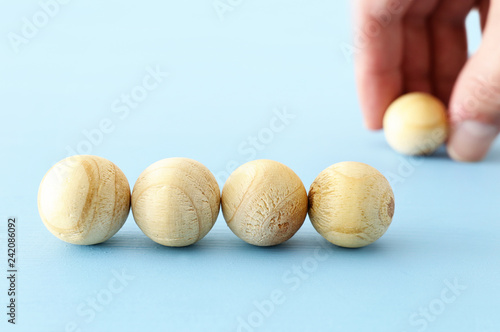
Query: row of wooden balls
{"x": 86, "y": 199}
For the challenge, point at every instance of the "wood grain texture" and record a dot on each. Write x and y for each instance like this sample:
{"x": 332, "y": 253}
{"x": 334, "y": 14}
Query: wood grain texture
{"x": 176, "y": 201}
{"x": 264, "y": 202}
{"x": 351, "y": 204}
{"x": 416, "y": 124}
{"x": 84, "y": 199}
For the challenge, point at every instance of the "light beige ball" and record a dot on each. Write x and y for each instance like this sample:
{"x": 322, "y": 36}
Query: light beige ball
{"x": 84, "y": 199}
{"x": 351, "y": 204}
{"x": 416, "y": 124}
{"x": 264, "y": 202}
{"x": 176, "y": 201}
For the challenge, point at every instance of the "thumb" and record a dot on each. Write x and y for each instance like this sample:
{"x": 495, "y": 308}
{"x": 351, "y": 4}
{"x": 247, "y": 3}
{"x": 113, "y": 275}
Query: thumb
{"x": 475, "y": 102}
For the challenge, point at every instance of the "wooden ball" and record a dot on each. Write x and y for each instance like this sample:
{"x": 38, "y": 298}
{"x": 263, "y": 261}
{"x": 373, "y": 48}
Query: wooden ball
{"x": 416, "y": 124}
{"x": 176, "y": 201}
{"x": 351, "y": 204}
{"x": 264, "y": 202}
{"x": 84, "y": 199}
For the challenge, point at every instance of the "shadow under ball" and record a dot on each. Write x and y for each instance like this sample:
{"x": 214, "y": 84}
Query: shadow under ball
{"x": 176, "y": 201}
{"x": 84, "y": 199}
{"x": 351, "y": 204}
{"x": 264, "y": 202}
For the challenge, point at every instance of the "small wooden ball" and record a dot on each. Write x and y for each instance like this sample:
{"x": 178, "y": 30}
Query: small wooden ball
{"x": 351, "y": 204}
{"x": 264, "y": 202}
{"x": 84, "y": 199}
{"x": 176, "y": 201}
{"x": 416, "y": 124}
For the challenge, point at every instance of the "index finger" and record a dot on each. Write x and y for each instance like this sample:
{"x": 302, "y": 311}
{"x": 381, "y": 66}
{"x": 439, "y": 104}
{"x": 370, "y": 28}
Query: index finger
{"x": 379, "y": 32}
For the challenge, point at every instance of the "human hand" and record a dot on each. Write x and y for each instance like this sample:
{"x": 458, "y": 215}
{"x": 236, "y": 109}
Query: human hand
{"x": 421, "y": 45}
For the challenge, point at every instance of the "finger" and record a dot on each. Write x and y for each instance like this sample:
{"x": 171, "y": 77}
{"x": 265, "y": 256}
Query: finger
{"x": 378, "y": 63}
{"x": 449, "y": 45}
{"x": 475, "y": 103}
{"x": 483, "y": 7}
{"x": 417, "y": 52}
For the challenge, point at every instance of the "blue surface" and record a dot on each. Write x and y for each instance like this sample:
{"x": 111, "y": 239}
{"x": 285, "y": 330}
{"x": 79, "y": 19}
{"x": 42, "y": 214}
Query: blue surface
{"x": 226, "y": 79}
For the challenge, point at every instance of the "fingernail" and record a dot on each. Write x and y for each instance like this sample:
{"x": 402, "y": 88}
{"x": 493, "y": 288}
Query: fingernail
{"x": 470, "y": 140}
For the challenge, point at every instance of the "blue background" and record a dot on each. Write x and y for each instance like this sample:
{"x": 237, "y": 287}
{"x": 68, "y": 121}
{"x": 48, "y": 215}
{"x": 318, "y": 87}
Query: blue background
{"x": 227, "y": 76}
